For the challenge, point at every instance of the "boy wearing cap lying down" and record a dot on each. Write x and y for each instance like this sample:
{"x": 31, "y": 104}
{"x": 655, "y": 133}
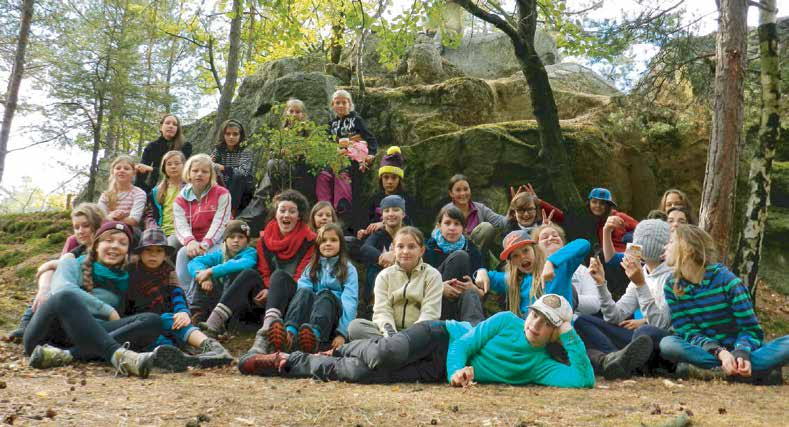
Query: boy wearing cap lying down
{"x": 503, "y": 349}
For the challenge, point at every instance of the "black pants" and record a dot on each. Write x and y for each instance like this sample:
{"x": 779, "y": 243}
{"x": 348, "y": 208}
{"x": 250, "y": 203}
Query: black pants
{"x": 63, "y": 320}
{"x": 238, "y": 295}
{"x": 281, "y": 290}
{"x": 321, "y": 311}
{"x": 418, "y": 353}
{"x": 468, "y": 306}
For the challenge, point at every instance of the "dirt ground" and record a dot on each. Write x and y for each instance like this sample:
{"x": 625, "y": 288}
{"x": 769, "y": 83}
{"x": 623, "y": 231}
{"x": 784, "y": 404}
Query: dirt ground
{"x": 90, "y": 394}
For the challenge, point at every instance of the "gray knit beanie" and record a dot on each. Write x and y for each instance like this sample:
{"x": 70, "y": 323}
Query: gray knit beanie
{"x": 652, "y": 235}
{"x": 393, "y": 201}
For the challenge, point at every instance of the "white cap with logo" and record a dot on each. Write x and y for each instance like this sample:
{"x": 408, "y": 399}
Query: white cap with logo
{"x": 554, "y": 307}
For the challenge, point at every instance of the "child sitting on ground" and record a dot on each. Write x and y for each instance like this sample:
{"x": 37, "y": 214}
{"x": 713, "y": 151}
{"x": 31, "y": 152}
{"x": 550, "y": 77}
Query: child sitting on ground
{"x": 390, "y": 182}
{"x": 123, "y": 201}
{"x": 153, "y": 288}
{"x": 326, "y": 298}
{"x": 321, "y": 214}
{"x": 214, "y": 274}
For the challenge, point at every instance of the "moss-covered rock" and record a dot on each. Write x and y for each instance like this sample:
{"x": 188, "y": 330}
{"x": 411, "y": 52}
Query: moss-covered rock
{"x": 775, "y": 251}
{"x": 779, "y": 191}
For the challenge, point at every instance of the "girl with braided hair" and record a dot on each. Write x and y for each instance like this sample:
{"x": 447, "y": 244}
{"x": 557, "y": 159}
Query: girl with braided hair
{"x": 80, "y": 321}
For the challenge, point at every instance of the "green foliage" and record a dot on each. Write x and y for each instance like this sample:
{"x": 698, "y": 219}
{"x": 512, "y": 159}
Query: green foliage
{"x": 302, "y": 141}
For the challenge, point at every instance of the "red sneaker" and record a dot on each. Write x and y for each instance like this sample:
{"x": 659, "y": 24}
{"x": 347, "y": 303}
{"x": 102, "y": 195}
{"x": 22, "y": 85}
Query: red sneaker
{"x": 264, "y": 364}
{"x": 308, "y": 342}
{"x": 276, "y": 335}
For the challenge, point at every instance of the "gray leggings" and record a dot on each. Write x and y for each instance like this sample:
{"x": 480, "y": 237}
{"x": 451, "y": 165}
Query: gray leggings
{"x": 416, "y": 354}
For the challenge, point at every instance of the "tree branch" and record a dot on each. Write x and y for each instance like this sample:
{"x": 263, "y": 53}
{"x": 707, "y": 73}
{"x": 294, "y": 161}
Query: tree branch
{"x": 212, "y": 64}
{"x": 60, "y": 135}
{"x": 491, "y": 18}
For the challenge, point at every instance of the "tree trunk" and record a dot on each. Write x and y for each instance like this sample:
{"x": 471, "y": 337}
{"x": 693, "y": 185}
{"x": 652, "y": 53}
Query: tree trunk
{"x": 229, "y": 87}
{"x": 543, "y": 102}
{"x": 552, "y": 148}
{"x": 90, "y": 192}
{"x": 720, "y": 178}
{"x": 15, "y": 80}
{"x": 750, "y": 250}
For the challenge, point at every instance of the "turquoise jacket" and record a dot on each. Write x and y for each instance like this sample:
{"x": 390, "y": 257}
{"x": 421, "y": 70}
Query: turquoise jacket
{"x": 247, "y": 258}
{"x": 347, "y": 292}
{"x": 565, "y": 261}
{"x": 498, "y": 351}
{"x": 109, "y": 285}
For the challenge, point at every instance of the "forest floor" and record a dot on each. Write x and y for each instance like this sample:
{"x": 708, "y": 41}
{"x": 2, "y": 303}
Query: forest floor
{"x": 91, "y": 395}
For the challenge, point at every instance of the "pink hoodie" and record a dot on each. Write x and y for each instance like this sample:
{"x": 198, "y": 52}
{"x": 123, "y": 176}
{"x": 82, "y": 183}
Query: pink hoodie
{"x": 201, "y": 218}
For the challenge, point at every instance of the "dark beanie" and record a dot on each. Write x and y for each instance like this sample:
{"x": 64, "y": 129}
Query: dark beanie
{"x": 393, "y": 201}
{"x": 392, "y": 162}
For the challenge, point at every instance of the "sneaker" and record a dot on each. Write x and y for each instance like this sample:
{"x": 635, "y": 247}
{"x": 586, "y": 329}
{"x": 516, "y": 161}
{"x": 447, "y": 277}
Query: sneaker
{"x": 214, "y": 354}
{"x": 263, "y": 364}
{"x": 772, "y": 377}
{"x": 276, "y": 335}
{"x": 689, "y": 371}
{"x": 46, "y": 356}
{"x": 131, "y": 363}
{"x": 213, "y": 333}
{"x": 620, "y": 364}
{"x": 17, "y": 334}
{"x": 308, "y": 341}
{"x": 170, "y": 358}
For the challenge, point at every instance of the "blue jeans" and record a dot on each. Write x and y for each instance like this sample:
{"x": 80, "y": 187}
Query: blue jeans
{"x": 771, "y": 355}
{"x": 598, "y": 334}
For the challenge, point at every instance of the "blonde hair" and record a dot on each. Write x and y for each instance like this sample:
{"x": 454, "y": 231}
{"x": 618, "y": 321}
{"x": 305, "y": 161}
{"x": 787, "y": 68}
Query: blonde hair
{"x": 413, "y": 232}
{"x": 341, "y": 93}
{"x": 200, "y": 159}
{"x": 513, "y": 276}
{"x": 164, "y": 180}
{"x": 111, "y": 195}
{"x": 535, "y": 234}
{"x": 179, "y": 139}
{"x": 320, "y": 206}
{"x": 694, "y": 249}
{"x": 297, "y": 103}
{"x": 92, "y": 212}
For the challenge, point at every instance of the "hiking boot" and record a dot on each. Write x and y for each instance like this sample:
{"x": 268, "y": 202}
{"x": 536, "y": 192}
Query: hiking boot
{"x": 214, "y": 354}
{"x": 308, "y": 341}
{"x": 686, "y": 371}
{"x": 131, "y": 363}
{"x": 620, "y": 364}
{"x": 263, "y": 364}
{"x": 213, "y": 333}
{"x": 772, "y": 377}
{"x": 171, "y": 358}
{"x": 46, "y": 356}
{"x": 260, "y": 346}
{"x": 276, "y": 335}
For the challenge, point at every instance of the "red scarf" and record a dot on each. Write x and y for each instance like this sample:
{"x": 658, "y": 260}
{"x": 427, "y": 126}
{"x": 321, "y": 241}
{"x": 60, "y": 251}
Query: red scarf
{"x": 286, "y": 247}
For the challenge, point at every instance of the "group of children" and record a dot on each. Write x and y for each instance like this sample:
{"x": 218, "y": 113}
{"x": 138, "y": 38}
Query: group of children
{"x": 157, "y": 271}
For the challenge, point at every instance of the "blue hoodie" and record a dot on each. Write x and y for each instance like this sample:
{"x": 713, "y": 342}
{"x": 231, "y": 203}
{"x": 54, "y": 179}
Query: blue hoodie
{"x": 246, "y": 259}
{"x": 565, "y": 261}
{"x": 347, "y": 292}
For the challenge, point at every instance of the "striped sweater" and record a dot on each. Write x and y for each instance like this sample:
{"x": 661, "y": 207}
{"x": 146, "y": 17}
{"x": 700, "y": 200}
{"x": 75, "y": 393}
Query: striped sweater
{"x": 716, "y": 312}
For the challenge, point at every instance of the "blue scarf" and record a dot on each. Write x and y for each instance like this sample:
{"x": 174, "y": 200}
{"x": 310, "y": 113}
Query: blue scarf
{"x": 445, "y": 246}
{"x": 108, "y": 278}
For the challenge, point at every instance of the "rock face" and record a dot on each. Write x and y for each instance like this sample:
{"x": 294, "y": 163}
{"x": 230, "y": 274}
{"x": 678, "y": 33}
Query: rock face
{"x": 490, "y": 56}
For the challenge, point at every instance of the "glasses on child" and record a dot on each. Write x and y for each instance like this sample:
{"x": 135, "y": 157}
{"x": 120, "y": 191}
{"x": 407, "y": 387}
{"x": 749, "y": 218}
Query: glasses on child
{"x": 524, "y": 210}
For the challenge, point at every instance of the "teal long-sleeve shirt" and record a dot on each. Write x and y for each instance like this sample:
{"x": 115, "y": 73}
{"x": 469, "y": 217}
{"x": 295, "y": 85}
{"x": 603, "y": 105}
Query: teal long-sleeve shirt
{"x": 499, "y": 352}
{"x": 109, "y": 286}
{"x": 565, "y": 261}
{"x": 247, "y": 258}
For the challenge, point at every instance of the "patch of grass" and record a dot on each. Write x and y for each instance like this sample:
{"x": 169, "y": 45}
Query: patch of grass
{"x": 12, "y": 257}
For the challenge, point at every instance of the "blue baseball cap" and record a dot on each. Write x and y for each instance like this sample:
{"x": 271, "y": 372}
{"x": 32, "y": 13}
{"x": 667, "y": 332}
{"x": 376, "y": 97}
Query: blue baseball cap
{"x": 602, "y": 194}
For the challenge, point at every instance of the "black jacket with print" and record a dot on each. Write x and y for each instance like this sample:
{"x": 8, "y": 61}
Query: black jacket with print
{"x": 351, "y": 125}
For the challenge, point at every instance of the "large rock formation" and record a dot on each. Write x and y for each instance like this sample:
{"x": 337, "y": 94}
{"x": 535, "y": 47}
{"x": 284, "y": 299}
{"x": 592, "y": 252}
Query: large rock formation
{"x": 490, "y": 56}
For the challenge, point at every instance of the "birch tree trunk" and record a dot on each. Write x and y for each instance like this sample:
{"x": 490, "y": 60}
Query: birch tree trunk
{"x": 15, "y": 80}
{"x": 720, "y": 178}
{"x": 759, "y": 178}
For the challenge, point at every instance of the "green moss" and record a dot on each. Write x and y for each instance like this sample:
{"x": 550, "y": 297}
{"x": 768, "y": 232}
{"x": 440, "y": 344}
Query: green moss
{"x": 12, "y": 257}
{"x": 774, "y": 266}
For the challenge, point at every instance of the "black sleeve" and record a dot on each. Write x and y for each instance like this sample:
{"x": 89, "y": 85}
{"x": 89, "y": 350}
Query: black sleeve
{"x": 187, "y": 150}
{"x": 475, "y": 257}
{"x": 141, "y": 178}
{"x": 369, "y": 252}
{"x": 372, "y": 142}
